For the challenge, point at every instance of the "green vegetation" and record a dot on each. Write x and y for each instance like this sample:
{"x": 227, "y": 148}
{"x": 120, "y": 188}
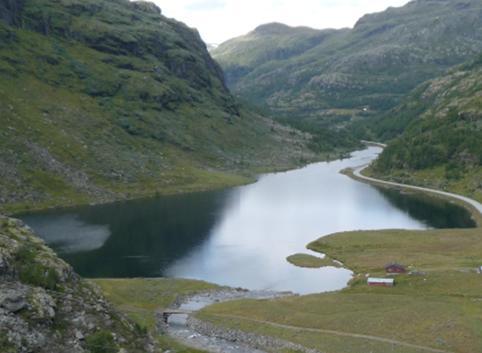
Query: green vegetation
{"x": 101, "y": 342}
{"x": 106, "y": 100}
{"x": 440, "y": 144}
{"x": 350, "y": 74}
{"x": 435, "y": 306}
{"x": 310, "y": 261}
{"x": 140, "y": 298}
{"x": 32, "y": 272}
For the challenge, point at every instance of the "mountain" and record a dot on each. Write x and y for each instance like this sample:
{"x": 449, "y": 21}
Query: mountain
{"x": 337, "y": 75}
{"x": 45, "y": 307}
{"x": 108, "y": 99}
{"x": 267, "y": 43}
{"x": 441, "y": 140}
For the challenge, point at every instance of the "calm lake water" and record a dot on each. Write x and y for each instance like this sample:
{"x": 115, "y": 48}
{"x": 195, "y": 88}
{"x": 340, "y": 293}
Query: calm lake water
{"x": 238, "y": 237}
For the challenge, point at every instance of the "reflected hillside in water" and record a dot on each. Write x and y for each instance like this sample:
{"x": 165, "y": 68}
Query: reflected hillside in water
{"x": 143, "y": 236}
{"x": 434, "y": 212}
{"x": 238, "y": 237}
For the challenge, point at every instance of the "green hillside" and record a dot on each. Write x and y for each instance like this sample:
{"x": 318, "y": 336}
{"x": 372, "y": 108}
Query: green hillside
{"x": 108, "y": 99}
{"x": 441, "y": 140}
{"x": 359, "y": 72}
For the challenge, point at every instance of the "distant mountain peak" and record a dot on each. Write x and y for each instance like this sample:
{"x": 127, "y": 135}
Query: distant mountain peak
{"x": 272, "y": 28}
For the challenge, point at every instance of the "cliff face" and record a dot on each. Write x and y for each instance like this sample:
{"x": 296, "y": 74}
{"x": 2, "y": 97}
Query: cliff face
{"x": 102, "y": 100}
{"x": 46, "y": 307}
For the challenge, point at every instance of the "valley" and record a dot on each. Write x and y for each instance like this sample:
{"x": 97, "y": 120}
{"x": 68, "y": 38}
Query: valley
{"x": 173, "y": 196}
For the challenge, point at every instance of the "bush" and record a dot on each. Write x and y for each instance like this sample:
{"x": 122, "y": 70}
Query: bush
{"x": 101, "y": 342}
{"x": 33, "y": 273}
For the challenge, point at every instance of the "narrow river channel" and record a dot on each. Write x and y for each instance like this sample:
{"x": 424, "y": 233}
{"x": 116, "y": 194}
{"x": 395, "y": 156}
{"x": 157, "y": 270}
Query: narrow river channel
{"x": 241, "y": 236}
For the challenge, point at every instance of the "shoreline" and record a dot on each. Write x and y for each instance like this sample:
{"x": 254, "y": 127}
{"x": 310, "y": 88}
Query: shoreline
{"x": 471, "y": 205}
{"x": 235, "y": 179}
{"x": 197, "y": 334}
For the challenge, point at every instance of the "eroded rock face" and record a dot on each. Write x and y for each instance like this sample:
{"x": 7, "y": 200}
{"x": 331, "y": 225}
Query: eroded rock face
{"x": 12, "y": 298}
{"x": 46, "y": 307}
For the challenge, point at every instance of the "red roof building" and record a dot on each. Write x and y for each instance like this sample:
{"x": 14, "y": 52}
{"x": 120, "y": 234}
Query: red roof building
{"x": 395, "y": 268}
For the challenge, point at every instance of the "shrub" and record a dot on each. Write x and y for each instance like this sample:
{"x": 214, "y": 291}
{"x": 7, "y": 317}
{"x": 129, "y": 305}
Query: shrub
{"x": 32, "y": 272}
{"x": 101, "y": 342}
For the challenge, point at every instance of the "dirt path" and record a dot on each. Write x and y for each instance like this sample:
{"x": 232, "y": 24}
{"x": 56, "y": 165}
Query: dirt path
{"x": 336, "y": 333}
{"x": 217, "y": 339}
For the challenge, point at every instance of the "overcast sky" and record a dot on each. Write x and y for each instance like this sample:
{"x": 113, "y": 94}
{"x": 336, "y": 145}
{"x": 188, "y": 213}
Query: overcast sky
{"x": 219, "y": 20}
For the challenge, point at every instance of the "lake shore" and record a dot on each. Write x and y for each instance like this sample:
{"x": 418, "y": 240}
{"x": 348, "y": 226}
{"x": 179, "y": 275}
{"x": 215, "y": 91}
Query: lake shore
{"x": 204, "y": 180}
{"x": 472, "y": 206}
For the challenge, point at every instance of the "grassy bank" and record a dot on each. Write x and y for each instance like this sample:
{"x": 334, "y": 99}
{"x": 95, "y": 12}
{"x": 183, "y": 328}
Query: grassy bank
{"x": 139, "y": 299}
{"x": 199, "y": 180}
{"x": 437, "y": 307}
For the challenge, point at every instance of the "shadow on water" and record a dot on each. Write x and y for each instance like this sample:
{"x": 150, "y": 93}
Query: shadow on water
{"x": 435, "y": 213}
{"x": 130, "y": 239}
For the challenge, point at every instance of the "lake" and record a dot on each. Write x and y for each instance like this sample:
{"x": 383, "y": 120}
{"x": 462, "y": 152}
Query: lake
{"x": 240, "y": 236}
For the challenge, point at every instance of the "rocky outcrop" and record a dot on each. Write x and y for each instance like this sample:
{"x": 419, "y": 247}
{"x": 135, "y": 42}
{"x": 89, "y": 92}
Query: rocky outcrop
{"x": 46, "y": 307}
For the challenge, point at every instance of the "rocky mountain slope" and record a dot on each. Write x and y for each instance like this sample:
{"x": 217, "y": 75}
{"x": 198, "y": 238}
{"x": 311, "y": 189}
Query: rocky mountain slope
{"x": 441, "y": 134}
{"x": 46, "y": 307}
{"x": 108, "y": 99}
{"x": 338, "y": 75}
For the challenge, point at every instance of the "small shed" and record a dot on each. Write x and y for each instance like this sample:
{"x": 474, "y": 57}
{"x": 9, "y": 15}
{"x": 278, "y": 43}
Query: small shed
{"x": 395, "y": 268}
{"x": 381, "y": 282}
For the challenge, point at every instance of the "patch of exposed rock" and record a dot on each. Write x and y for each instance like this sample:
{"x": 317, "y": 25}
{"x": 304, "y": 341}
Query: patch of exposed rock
{"x": 46, "y": 307}
{"x": 251, "y": 339}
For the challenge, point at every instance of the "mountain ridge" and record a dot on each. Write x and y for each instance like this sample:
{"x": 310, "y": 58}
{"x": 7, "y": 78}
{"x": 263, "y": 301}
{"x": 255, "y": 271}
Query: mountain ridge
{"x": 361, "y": 71}
{"x": 107, "y": 100}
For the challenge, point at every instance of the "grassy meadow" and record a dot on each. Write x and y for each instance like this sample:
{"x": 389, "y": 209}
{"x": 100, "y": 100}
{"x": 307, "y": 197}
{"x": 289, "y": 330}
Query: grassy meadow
{"x": 436, "y": 308}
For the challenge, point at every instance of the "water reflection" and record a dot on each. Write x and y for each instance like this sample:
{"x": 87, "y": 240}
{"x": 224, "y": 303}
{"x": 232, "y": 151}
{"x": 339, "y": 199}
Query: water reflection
{"x": 434, "y": 212}
{"x": 237, "y": 237}
{"x": 145, "y": 235}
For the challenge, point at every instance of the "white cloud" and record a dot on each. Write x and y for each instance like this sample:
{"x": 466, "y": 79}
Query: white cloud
{"x": 219, "y": 20}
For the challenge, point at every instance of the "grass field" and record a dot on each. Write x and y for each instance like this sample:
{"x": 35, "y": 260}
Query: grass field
{"x": 439, "y": 307}
{"x": 310, "y": 261}
{"x": 139, "y": 299}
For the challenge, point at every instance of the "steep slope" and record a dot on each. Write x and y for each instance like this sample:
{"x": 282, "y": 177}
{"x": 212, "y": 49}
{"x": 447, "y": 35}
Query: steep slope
{"x": 357, "y": 72}
{"x": 46, "y": 307}
{"x": 441, "y": 143}
{"x": 102, "y": 100}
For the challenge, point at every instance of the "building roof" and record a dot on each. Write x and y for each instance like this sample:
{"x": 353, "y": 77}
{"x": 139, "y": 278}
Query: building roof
{"x": 395, "y": 266}
{"x": 381, "y": 280}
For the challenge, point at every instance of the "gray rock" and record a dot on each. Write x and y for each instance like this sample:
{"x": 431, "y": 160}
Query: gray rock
{"x": 79, "y": 335}
{"x": 4, "y": 266}
{"x": 13, "y": 300}
{"x": 42, "y": 305}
